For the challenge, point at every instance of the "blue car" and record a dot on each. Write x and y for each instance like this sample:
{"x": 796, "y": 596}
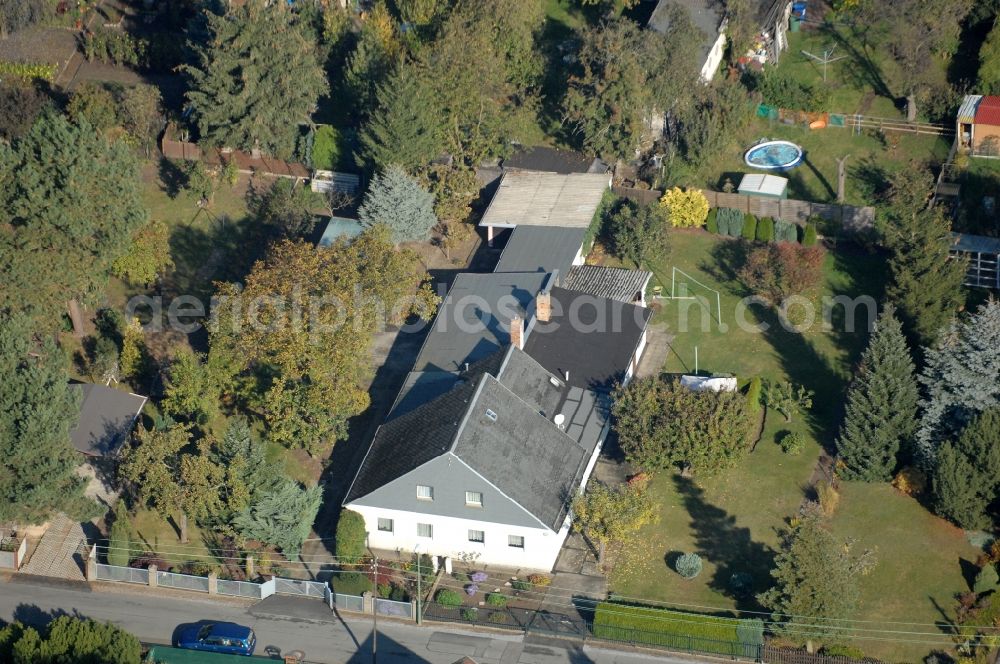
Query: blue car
{"x": 220, "y": 637}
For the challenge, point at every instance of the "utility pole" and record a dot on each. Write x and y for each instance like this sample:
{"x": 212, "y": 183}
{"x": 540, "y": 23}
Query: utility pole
{"x": 419, "y": 575}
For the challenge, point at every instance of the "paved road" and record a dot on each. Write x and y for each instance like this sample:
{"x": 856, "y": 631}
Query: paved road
{"x": 291, "y": 623}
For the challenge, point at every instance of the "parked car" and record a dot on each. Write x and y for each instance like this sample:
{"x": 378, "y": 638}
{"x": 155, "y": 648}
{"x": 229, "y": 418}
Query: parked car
{"x": 221, "y": 637}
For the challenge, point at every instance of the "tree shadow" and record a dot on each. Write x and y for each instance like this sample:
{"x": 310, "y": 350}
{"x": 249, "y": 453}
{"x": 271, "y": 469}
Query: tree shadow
{"x": 866, "y": 73}
{"x": 173, "y": 180}
{"x": 727, "y": 259}
{"x": 34, "y": 616}
{"x": 728, "y": 546}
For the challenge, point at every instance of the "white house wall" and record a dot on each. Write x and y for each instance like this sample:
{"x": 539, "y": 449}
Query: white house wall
{"x": 714, "y": 58}
{"x": 451, "y": 538}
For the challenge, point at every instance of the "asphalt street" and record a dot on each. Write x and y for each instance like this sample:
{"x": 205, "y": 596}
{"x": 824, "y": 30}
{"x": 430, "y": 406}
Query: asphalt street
{"x": 285, "y": 623}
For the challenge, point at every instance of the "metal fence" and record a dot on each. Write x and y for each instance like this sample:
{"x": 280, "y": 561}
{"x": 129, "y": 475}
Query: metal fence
{"x": 677, "y": 642}
{"x": 350, "y": 602}
{"x": 388, "y": 607}
{"x": 125, "y": 574}
{"x": 503, "y": 618}
{"x": 239, "y": 588}
{"x": 182, "y": 581}
{"x": 300, "y": 587}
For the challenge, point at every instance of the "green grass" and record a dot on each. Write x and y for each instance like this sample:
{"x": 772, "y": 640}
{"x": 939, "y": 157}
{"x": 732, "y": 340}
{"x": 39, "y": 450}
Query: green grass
{"x": 154, "y": 533}
{"x": 919, "y": 567}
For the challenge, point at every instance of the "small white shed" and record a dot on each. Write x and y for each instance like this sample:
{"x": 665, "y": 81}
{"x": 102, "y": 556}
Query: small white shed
{"x": 766, "y": 186}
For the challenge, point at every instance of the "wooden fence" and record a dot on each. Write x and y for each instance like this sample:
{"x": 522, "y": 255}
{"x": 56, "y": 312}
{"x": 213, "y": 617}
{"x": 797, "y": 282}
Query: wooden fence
{"x": 850, "y": 218}
{"x": 853, "y": 121}
{"x": 245, "y": 162}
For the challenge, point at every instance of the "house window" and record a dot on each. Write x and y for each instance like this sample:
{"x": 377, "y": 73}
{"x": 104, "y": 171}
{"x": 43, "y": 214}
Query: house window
{"x": 385, "y": 525}
{"x": 477, "y": 536}
{"x": 516, "y": 541}
{"x": 473, "y": 499}
{"x": 425, "y": 492}
{"x": 425, "y": 530}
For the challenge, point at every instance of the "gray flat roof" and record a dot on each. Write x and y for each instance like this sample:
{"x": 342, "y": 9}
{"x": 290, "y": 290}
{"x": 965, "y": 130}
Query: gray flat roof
{"x": 474, "y": 319}
{"x": 616, "y": 283}
{"x": 106, "y": 418}
{"x": 975, "y": 244}
{"x": 541, "y": 249}
{"x": 536, "y": 198}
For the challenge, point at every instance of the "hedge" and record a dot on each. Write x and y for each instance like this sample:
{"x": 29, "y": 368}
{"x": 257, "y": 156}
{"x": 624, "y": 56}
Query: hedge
{"x": 750, "y": 228}
{"x": 809, "y": 235}
{"x": 711, "y": 225}
{"x": 678, "y": 630}
{"x": 785, "y": 231}
{"x": 765, "y": 230}
{"x": 730, "y": 222}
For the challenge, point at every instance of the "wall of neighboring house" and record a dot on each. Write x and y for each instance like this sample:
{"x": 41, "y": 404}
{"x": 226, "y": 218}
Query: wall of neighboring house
{"x": 714, "y": 58}
{"x": 636, "y": 357}
{"x": 986, "y": 139}
{"x": 449, "y": 536}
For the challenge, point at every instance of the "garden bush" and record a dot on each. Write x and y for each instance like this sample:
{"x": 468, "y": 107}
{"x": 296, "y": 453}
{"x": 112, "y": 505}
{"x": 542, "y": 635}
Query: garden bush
{"x": 910, "y": 481}
{"x": 471, "y": 589}
{"x": 498, "y": 618}
{"x": 687, "y": 209}
{"x": 28, "y": 70}
{"x": 791, "y": 442}
{"x": 384, "y": 590}
{"x": 711, "y": 223}
{"x": 496, "y": 600}
{"x": 688, "y": 565}
{"x": 326, "y": 148}
{"x": 785, "y": 231}
{"x": 829, "y": 497}
{"x": 521, "y": 585}
{"x": 351, "y": 583}
{"x": 471, "y": 614}
{"x": 779, "y": 89}
{"x": 542, "y": 581}
{"x": 478, "y": 577}
{"x": 765, "y": 230}
{"x": 776, "y": 271}
{"x": 350, "y": 537}
{"x": 730, "y": 222}
{"x": 448, "y": 597}
{"x": 398, "y": 593}
{"x": 677, "y": 629}
{"x": 809, "y": 235}
{"x": 750, "y": 228}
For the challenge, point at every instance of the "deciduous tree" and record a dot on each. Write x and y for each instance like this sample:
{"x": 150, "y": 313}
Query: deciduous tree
{"x": 20, "y": 105}
{"x": 640, "y": 232}
{"x": 191, "y": 394}
{"x": 881, "y": 405}
{"x": 286, "y": 207}
{"x": 605, "y": 515}
{"x": 816, "y": 581}
{"x": 148, "y": 257}
{"x": 255, "y": 78}
{"x": 37, "y": 462}
{"x": 139, "y": 109}
{"x": 989, "y": 64}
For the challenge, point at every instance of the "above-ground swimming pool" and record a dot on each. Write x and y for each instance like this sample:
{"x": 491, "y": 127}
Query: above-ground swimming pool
{"x": 774, "y": 155}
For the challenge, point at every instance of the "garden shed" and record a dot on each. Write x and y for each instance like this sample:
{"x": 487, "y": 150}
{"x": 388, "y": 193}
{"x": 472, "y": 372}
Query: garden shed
{"x": 983, "y": 254}
{"x": 337, "y": 228}
{"x": 764, "y": 186}
{"x": 978, "y": 125}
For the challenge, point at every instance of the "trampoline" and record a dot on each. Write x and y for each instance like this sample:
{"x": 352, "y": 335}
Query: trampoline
{"x": 774, "y": 156}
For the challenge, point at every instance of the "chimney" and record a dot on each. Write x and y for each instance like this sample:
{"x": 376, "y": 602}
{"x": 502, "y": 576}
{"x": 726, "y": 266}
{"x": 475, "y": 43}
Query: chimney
{"x": 517, "y": 332}
{"x": 543, "y": 306}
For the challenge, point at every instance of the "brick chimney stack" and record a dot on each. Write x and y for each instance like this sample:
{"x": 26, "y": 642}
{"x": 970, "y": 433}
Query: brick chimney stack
{"x": 517, "y": 332}
{"x": 543, "y": 306}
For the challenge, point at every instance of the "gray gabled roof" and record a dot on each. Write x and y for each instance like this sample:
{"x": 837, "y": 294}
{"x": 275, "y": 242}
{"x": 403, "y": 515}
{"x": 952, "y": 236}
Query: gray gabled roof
{"x": 474, "y": 319}
{"x": 534, "y": 198}
{"x": 616, "y": 283}
{"x": 106, "y": 417}
{"x": 541, "y": 249}
{"x": 523, "y": 452}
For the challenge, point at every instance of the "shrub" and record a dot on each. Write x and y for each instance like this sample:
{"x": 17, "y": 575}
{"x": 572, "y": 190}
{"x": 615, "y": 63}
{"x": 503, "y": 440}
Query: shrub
{"x": 791, "y": 442}
{"x": 910, "y": 481}
{"x": 753, "y": 394}
{"x": 471, "y": 614}
{"x": 688, "y": 209}
{"x": 398, "y": 593}
{"x": 730, "y": 222}
{"x": 829, "y": 497}
{"x": 120, "y": 536}
{"x": 350, "y": 537}
{"x": 674, "y": 629}
{"x": 384, "y": 590}
{"x": 750, "y": 228}
{"x": 448, "y": 597}
{"x": 765, "y": 230}
{"x": 542, "y": 581}
{"x": 326, "y": 148}
{"x": 351, "y": 583}
{"x": 471, "y": 589}
{"x": 779, "y": 89}
{"x": 478, "y": 577}
{"x": 498, "y": 618}
{"x": 496, "y": 600}
{"x": 785, "y": 231}
{"x": 711, "y": 224}
{"x": 520, "y": 585}
{"x": 28, "y": 70}
{"x": 986, "y": 580}
{"x": 778, "y": 270}
{"x": 809, "y": 235}
{"x": 688, "y": 565}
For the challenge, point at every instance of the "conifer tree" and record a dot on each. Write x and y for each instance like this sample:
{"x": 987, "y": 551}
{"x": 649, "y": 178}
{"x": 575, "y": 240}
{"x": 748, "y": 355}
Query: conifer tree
{"x": 967, "y": 474}
{"x": 37, "y": 462}
{"x": 398, "y": 202}
{"x": 961, "y": 378}
{"x": 255, "y": 78}
{"x": 881, "y": 405}
{"x": 120, "y": 536}
{"x": 407, "y": 128}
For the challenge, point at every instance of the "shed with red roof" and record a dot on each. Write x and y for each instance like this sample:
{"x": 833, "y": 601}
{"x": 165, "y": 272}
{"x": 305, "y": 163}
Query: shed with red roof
{"x": 978, "y": 125}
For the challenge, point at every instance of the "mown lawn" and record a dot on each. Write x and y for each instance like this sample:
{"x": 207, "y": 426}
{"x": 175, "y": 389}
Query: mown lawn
{"x": 152, "y": 533}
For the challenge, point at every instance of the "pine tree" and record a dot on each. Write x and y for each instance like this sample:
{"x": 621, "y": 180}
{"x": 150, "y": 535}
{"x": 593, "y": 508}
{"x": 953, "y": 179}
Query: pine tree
{"x": 961, "y": 378}
{"x": 815, "y": 575}
{"x": 282, "y": 516}
{"x": 69, "y": 204}
{"x": 37, "y": 462}
{"x": 925, "y": 281}
{"x": 397, "y": 201}
{"x": 406, "y": 129}
{"x": 967, "y": 474}
{"x": 255, "y": 78}
{"x": 881, "y": 405}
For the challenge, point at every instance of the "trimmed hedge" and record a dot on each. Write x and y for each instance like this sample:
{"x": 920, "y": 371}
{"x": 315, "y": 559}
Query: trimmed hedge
{"x": 750, "y": 228}
{"x": 785, "y": 231}
{"x": 730, "y": 222}
{"x": 809, "y": 235}
{"x": 711, "y": 225}
{"x": 679, "y": 630}
{"x": 765, "y": 230}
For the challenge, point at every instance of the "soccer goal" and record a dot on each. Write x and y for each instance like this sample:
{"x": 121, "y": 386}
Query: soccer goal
{"x": 685, "y": 287}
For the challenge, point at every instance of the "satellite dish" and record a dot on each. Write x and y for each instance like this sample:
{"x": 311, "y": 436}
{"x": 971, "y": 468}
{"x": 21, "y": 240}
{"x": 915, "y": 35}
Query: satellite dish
{"x": 560, "y": 419}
